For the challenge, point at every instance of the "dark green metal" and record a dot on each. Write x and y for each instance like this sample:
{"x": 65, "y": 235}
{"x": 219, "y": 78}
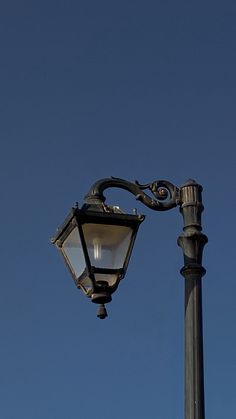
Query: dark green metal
{"x": 166, "y": 194}
{"x": 192, "y": 242}
{"x": 102, "y": 312}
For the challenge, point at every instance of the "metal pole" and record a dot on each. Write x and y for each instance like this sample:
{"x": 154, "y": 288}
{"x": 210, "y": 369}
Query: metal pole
{"x": 194, "y": 372}
{"x": 192, "y": 242}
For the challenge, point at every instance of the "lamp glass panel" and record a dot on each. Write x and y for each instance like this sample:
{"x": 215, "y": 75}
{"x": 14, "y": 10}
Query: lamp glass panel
{"x": 86, "y": 285}
{"x": 107, "y": 245}
{"x": 73, "y": 252}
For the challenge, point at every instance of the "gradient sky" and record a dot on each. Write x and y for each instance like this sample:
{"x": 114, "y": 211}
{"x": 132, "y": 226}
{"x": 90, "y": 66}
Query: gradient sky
{"x": 138, "y": 90}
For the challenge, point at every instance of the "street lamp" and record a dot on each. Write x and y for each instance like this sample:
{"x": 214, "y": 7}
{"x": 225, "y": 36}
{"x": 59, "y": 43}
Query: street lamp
{"x": 96, "y": 243}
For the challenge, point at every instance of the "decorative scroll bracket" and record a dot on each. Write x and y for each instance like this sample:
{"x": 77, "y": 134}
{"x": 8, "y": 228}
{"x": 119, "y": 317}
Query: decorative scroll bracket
{"x": 166, "y": 194}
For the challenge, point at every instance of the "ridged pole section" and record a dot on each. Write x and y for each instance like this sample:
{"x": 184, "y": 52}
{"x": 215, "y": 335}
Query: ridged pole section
{"x": 192, "y": 242}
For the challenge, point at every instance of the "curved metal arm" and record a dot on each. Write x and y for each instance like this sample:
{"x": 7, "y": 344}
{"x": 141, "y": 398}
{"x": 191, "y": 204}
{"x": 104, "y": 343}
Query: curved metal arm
{"x": 166, "y": 194}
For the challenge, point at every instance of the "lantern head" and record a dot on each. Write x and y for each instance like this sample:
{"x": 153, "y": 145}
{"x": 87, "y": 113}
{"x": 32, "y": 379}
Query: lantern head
{"x": 96, "y": 242}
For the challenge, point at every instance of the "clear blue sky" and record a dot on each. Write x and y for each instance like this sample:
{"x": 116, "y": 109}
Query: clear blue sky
{"x": 135, "y": 89}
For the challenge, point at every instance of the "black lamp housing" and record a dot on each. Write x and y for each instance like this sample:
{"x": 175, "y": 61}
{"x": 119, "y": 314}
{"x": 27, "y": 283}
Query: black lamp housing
{"x": 96, "y": 242}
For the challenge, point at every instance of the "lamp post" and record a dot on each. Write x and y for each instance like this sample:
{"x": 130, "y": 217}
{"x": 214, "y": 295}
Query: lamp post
{"x": 96, "y": 243}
